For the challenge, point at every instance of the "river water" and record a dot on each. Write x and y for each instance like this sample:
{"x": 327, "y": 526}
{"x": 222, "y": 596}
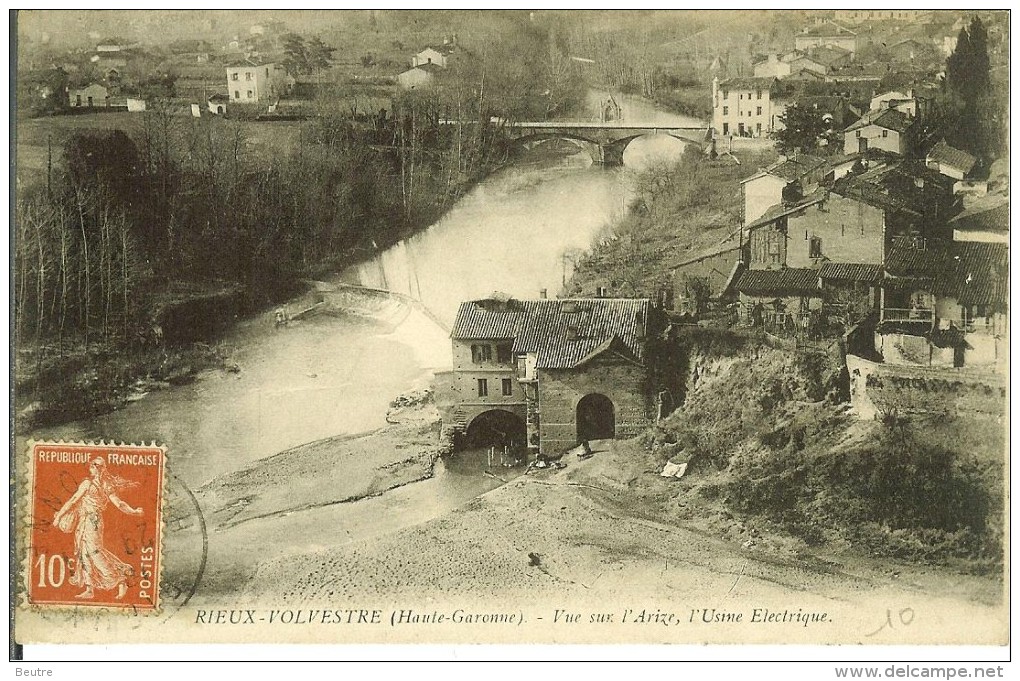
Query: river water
{"x": 336, "y": 374}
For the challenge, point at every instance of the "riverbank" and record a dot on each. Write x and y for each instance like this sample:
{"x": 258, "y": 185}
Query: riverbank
{"x": 335, "y": 470}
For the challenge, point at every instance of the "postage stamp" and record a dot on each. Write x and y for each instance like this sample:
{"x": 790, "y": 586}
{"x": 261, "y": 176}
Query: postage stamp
{"x": 95, "y": 525}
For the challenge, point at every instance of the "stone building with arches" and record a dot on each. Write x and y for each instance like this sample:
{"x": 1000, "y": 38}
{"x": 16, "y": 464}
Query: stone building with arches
{"x": 549, "y": 374}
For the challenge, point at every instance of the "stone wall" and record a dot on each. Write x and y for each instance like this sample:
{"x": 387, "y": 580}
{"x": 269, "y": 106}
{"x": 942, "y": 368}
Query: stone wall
{"x": 624, "y": 383}
{"x": 882, "y": 388}
{"x": 850, "y": 231}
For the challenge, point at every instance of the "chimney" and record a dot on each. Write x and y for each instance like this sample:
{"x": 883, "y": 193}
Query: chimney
{"x": 601, "y": 292}
{"x": 543, "y": 294}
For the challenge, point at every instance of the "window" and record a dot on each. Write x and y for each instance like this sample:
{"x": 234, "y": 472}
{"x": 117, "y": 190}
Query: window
{"x": 725, "y": 94}
{"x": 508, "y": 387}
{"x": 857, "y": 134}
{"x": 726, "y": 111}
{"x": 237, "y": 94}
{"x": 267, "y": 73}
{"x": 741, "y": 95}
{"x": 247, "y": 75}
{"x": 504, "y": 354}
{"x": 774, "y": 249}
{"x": 885, "y": 133}
{"x": 725, "y": 128}
{"x": 233, "y": 76}
{"x": 481, "y": 353}
{"x": 758, "y": 95}
{"x": 757, "y": 128}
{"x": 758, "y": 112}
{"x": 250, "y": 94}
{"x": 483, "y": 387}
{"x": 815, "y": 247}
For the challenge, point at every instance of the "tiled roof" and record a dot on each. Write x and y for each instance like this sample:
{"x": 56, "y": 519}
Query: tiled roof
{"x": 428, "y": 67}
{"x": 805, "y": 74}
{"x": 828, "y": 30}
{"x": 747, "y": 83}
{"x": 943, "y": 153}
{"x": 984, "y": 218}
{"x": 850, "y": 271}
{"x": 902, "y": 261}
{"x": 781, "y": 210}
{"x": 894, "y": 186}
{"x": 891, "y": 119}
{"x": 785, "y": 281}
{"x": 828, "y": 55}
{"x": 795, "y": 168}
{"x": 975, "y": 273}
{"x": 541, "y": 327}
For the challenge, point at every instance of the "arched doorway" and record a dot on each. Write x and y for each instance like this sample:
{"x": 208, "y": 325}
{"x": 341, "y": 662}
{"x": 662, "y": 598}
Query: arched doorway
{"x": 596, "y": 418}
{"x": 497, "y": 428}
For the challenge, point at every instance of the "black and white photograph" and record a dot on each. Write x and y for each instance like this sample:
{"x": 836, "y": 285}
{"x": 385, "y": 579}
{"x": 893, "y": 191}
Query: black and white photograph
{"x": 450, "y": 326}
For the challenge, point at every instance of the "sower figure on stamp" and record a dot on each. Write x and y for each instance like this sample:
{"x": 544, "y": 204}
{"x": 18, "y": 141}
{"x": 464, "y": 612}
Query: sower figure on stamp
{"x": 95, "y": 567}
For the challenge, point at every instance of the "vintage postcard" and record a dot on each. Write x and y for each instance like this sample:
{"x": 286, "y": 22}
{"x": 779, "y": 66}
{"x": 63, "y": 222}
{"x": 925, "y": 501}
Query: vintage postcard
{"x": 538, "y": 326}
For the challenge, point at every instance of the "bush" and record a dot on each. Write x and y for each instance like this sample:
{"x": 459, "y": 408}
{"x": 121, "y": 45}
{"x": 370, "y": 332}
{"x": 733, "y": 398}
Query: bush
{"x": 892, "y": 495}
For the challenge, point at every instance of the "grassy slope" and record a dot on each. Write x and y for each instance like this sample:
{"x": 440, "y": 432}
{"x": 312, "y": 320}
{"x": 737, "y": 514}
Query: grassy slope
{"x": 776, "y": 460}
{"x": 681, "y": 209}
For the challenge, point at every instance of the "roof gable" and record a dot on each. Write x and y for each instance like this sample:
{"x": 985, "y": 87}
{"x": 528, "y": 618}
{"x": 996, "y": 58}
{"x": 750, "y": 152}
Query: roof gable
{"x": 786, "y": 281}
{"x": 943, "y": 153}
{"x": 829, "y": 29}
{"x": 562, "y": 333}
{"x": 890, "y": 119}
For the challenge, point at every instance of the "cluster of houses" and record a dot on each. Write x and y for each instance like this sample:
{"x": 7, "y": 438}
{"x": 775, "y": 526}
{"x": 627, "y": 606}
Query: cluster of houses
{"x": 906, "y": 244}
{"x": 427, "y": 63}
{"x": 825, "y": 69}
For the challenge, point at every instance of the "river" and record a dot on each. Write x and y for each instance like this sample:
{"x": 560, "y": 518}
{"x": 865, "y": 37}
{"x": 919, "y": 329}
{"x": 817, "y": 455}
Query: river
{"x": 336, "y": 374}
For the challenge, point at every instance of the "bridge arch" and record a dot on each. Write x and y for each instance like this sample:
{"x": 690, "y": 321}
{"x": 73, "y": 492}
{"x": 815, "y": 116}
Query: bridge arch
{"x": 531, "y": 141}
{"x": 496, "y": 428}
{"x": 604, "y": 148}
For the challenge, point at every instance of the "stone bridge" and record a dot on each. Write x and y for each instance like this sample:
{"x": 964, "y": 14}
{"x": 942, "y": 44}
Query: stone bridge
{"x": 605, "y": 142}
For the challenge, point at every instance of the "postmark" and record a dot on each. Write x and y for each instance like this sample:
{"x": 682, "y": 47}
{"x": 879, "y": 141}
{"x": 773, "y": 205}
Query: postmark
{"x": 95, "y": 525}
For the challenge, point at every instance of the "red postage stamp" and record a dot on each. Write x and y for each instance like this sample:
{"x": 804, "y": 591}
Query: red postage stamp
{"x": 95, "y": 528}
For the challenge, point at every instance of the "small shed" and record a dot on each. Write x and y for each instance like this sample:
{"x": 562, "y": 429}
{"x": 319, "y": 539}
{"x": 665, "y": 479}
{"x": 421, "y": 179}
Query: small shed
{"x": 91, "y": 95}
{"x": 218, "y": 103}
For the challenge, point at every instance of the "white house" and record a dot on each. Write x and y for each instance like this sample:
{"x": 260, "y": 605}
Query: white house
{"x": 950, "y": 161}
{"x": 784, "y": 180}
{"x": 772, "y": 67}
{"x": 419, "y": 76}
{"x": 429, "y": 55}
{"x": 747, "y": 107}
{"x": 91, "y": 95}
{"x": 250, "y": 82}
{"x": 826, "y": 34}
{"x": 886, "y": 129}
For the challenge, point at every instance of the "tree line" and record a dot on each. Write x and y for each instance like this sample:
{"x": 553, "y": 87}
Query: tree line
{"x": 123, "y": 214}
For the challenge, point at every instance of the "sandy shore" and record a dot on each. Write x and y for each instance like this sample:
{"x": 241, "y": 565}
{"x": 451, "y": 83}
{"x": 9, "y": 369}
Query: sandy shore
{"x": 330, "y": 471}
{"x": 597, "y": 535}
